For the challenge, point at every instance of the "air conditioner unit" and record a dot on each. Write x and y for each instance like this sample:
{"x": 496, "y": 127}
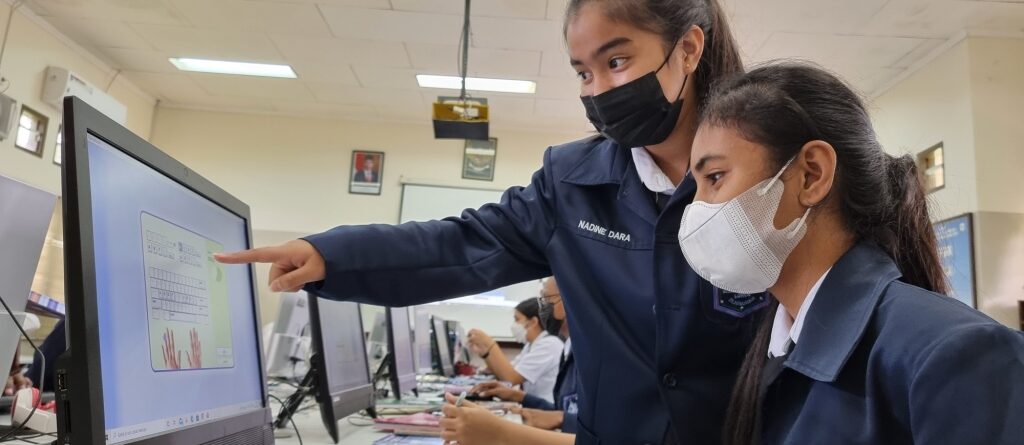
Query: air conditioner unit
{"x": 60, "y": 83}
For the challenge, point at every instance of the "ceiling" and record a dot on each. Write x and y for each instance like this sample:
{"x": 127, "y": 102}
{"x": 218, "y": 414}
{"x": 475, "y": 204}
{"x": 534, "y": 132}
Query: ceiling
{"x": 356, "y": 59}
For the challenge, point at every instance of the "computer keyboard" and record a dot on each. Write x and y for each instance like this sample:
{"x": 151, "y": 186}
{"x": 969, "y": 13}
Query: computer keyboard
{"x": 176, "y": 297}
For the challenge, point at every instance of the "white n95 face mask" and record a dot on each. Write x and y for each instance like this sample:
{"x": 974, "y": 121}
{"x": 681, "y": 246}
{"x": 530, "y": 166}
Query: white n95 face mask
{"x": 735, "y": 245}
{"x": 519, "y": 332}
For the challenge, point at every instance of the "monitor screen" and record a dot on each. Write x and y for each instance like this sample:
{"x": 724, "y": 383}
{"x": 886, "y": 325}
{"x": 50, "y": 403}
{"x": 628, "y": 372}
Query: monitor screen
{"x": 339, "y": 361}
{"x": 178, "y": 337}
{"x": 344, "y": 356}
{"x": 444, "y": 356}
{"x": 423, "y": 341}
{"x": 403, "y": 371}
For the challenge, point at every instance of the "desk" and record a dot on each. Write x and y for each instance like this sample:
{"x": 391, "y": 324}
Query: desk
{"x": 309, "y": 425}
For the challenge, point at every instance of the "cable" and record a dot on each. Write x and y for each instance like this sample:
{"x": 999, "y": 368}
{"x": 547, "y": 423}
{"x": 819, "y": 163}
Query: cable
{"x": 42, "y": 372}
{"x": 290, "y": 418}
{"x": 464, "y": 69}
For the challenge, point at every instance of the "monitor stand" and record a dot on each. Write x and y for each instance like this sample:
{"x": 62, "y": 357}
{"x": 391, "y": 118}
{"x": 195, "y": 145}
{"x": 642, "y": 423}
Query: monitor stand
{"x": 308, "y": 387}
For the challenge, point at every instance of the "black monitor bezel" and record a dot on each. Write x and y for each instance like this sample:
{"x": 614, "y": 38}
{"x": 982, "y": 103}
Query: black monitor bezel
{"x": 443, "y": 358}
{"x": 399, "y": 384}
{"x": 349, "y": 401}
{"x": 85, "y": 382}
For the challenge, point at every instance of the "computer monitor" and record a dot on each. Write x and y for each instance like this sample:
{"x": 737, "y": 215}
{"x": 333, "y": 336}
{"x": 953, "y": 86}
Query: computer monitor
{"x": 423, "y": 341}
{"x": 401, "y": 364}
{"x": 164, "y": 342}
{"x": 25, "y": 214}
{"x": 444, "y": 357}
{"x": 339, "y": 361}
{"x": 377, "y": 343}
{"x": 288, "y": 348}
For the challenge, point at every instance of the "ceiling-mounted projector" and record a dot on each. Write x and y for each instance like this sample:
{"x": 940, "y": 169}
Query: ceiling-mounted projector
{"x": 461, "y": 118}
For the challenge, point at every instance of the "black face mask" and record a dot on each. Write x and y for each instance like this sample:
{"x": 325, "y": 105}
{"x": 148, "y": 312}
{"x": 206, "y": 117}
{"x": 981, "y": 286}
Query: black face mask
{"x": 635, "y": 114}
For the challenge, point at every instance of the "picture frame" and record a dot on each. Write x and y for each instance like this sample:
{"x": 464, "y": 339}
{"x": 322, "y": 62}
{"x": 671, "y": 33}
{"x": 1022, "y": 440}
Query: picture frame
{"x": 955, "y": 243}
{"x": 479, "y": 158}
{"x": 30, "y": 132}
{"x": 366, "y": 173}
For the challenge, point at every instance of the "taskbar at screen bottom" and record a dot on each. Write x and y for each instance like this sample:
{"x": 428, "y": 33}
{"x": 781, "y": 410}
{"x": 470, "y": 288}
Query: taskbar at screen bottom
{"x": 180, "y": 422}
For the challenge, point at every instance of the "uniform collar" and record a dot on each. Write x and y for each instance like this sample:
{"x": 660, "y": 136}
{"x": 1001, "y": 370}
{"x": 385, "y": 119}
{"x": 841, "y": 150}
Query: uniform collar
{"x": 786, "y": 329}
{"x": 836, "y": 321}
{"x": 650, "y": 174}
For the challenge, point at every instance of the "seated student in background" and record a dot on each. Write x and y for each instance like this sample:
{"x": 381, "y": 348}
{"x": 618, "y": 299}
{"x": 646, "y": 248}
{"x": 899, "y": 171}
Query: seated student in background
{"x": 796, "y": 196}
{"x": 536, "y": 367}
{"x": 538, "y": 412}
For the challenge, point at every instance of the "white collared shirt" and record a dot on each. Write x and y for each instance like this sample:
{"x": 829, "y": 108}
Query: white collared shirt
{"x": 650, "y": 174}
{"x": 538, "y": 364}
{"x": 785, "y": 329}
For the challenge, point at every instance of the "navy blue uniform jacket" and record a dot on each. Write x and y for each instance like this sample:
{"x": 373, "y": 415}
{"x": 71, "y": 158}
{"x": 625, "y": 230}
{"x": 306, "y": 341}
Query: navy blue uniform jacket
{"x": 566, "y": 395}
{"x": 882, "y": 362}
{"x": 652, "y": 341}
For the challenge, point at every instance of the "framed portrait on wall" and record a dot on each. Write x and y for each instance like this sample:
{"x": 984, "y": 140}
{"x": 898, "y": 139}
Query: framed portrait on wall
{"x": 478, "y": 159}
{"x": 367, "y": 170}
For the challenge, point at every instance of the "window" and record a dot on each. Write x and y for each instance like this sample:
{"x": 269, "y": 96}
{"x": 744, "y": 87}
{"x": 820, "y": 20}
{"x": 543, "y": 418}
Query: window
{"x": 58, "y": 151}
{"x": 31, "y": 131}
{"x": 932, "y": 167}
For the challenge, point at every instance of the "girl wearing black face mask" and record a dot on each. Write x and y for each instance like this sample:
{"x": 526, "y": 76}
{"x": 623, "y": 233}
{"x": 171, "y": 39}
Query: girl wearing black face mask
{"x": 652, "y": 341}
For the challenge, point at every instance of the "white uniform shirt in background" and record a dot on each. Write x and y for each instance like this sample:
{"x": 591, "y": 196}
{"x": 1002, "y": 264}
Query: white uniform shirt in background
{"x": 538, "y": 364}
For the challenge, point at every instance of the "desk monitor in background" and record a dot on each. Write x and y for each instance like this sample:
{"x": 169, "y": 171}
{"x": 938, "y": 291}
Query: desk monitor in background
{"x": 25, "y": 214}
{"x": 288, "y": 348}
{"x": 164, "y": 342}
{"x": 401, "y": 355}
{"x": 440, "y": 349}
{"x": 342, "y": 376}
{"x": 457, "y": 341}
{"x": 423, "y": 341}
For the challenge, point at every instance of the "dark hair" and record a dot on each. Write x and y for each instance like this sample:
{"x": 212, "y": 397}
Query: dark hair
{"x": 531, "y": 308}
{"x": 879, "y": 198}
{"x": 671, "y": 19}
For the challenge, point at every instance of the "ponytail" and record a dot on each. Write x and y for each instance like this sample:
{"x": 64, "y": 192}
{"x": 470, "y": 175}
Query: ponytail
{"x": 744, "y": 414}
{"x": 908, "y": 235}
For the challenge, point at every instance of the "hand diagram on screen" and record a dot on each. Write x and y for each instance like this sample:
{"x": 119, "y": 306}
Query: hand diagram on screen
{"x": 195, "y": 356}
{"x": 172, "y": 356}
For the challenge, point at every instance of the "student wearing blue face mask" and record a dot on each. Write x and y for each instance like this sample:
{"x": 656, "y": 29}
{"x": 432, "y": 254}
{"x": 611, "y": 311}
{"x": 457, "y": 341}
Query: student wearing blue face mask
{"x": 652, "y": 341}
{"x": 796, "y": 196}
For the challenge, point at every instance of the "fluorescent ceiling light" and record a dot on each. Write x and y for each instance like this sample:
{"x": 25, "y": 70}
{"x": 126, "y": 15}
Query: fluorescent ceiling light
{"x": 227, "y": 67}
{"x": 477, "y": 84}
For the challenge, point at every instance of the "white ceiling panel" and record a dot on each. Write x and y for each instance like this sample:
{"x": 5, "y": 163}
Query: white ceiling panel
{"x": 174, "y": 87}
{"x": 555, "y": 63}
{"x": 358, "y": 58}
{"x": 254, "y": 87}
{"x": 443, "y": 59}
{"x": 99, "y": 33}
{"x": 206, "y": 43}
{"x": 367, "y": 52}
{"x": 516, "y": 34}
{"x": 140, "y": 60}
{"x": 254, "y": 16}
{"x": 392, "y": 26}
{"x": 334, "y": 71}
{"x": 827, "y": 49}
{"x": 160, "y": 12}
{"x": 394, "y": 78}
{"x": 515, "y": 9}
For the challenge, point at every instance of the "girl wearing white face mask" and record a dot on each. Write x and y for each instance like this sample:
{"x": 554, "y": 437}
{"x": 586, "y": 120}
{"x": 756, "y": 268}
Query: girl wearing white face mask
{"x": 796, "y": 196}
{"x": 536, "y": 367}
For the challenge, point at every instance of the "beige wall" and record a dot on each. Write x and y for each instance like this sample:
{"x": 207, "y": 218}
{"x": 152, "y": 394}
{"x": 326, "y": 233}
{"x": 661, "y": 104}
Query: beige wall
{"x": 31, "y": 47}
{"x": 997, "y": 86}
{"x": 969, "y": 98}
{"x": 294, "y": 172}
{"x": 931, "y": 106}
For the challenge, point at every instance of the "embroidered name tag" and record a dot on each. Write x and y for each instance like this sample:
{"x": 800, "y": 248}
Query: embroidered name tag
{"x": 738, "y": 305}
{"x": 595, "y": 229}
